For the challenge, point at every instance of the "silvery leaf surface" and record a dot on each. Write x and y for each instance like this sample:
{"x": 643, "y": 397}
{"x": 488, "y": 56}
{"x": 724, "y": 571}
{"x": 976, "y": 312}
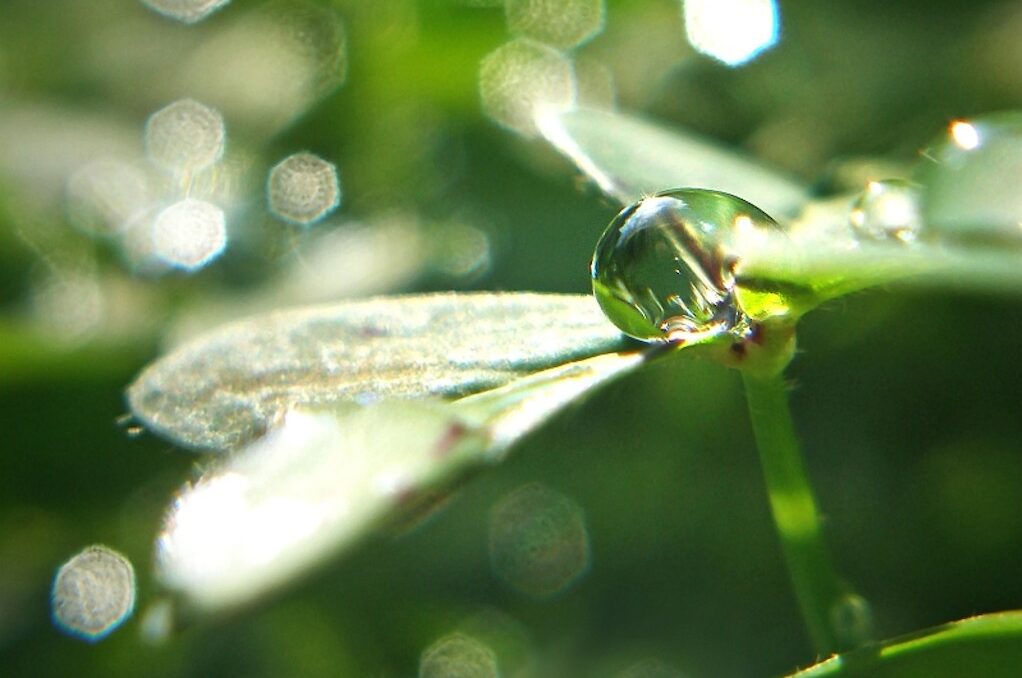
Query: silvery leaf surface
{"x": 328, "y": 477}
{"x": 230, "y": 386}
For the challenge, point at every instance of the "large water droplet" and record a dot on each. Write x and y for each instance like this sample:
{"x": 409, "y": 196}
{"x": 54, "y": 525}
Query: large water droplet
{"x": 971, "y": 186}
{"x": 887, "y": 210}
{"x": 665, "y": 268}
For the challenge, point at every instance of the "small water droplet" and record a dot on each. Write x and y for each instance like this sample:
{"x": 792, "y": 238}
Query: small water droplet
{"x": 970, "y": 186}
{"x": 887, "y": 210}
{"x": 664, "y": 269}
{"x": 852, "y": 619}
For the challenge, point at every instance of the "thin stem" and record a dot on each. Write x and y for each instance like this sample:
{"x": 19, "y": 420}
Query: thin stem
{"x": 819, "y": 589}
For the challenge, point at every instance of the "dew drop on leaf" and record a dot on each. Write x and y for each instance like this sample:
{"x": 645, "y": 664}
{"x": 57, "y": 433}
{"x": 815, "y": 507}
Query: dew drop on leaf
{"x": 665, "y": 267}
{"x": 970, "y": 181}
{"x": 887, "y": 210}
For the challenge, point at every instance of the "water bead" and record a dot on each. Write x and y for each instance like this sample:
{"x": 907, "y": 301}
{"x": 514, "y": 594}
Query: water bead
{"x": 971, "y": 181}
{"x": 887, "y": 210}
{"x": 664, "y": 270}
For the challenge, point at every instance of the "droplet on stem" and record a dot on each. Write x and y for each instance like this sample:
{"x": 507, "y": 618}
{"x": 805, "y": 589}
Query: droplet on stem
{"x": 664, "y": 270}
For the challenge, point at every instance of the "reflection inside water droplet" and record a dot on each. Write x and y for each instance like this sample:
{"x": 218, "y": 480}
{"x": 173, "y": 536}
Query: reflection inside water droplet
{"x": 664, "y": 269}
{"x": 970, "y": 186}
{"x": 887, "y": 210}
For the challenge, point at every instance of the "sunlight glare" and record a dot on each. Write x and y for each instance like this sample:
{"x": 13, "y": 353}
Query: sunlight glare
{"x": 731, "y": 31}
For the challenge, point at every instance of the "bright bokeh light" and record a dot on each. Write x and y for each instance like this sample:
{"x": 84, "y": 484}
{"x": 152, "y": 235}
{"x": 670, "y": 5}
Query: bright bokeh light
{"x": 189, "y": 234}
{"x": 93, "y": 593}
{"x": 538, "y": 541}
{"x": 731, "y": 31}
{"x": 186, "y": 135}
{"x": 69, "y": 303}
{"x": 303, "y": 188}
{"x": 522, "y": 80}
{"x": 188, "y": 11}
{"x": 560, "y": 23}
{"x": 458, "y": 656}
{"x": 269, "y": 65}
{"x": 965, "y": 135}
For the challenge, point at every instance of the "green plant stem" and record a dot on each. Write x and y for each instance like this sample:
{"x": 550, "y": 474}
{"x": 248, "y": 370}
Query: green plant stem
{"x": 816, "y": 583}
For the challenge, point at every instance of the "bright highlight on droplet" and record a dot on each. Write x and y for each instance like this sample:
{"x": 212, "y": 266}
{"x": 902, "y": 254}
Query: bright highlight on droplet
{"x": 458, "y": 656}
{"x": 303, "y": 188}
{"x": 93, "y": 593}
{"x": 538, "y": 541}
{"x": 188, "y": 11}
{"x": 186, "y": 135}
{"x": 189, "y": 234}
{"x": 965, "y": 135}
{"x": 560, "y": 23}
{"x": 523, "y": 79}
{"x": 731, "y": 31}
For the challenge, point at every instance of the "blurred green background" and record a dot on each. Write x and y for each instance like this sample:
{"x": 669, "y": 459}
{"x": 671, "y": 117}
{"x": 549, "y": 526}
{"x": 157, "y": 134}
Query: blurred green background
{"x": 907, "y": 403}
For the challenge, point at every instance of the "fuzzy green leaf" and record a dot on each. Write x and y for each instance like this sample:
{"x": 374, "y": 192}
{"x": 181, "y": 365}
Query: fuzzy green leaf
{"x": 228, "y": 387}
{"x": 332, "y": 467}
{"x": 629, "y": 158}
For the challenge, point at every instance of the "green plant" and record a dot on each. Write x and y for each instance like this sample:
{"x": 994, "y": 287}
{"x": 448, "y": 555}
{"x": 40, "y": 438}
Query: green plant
{"x": 301, "y": 376}
{"x": 341, "y": 426}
